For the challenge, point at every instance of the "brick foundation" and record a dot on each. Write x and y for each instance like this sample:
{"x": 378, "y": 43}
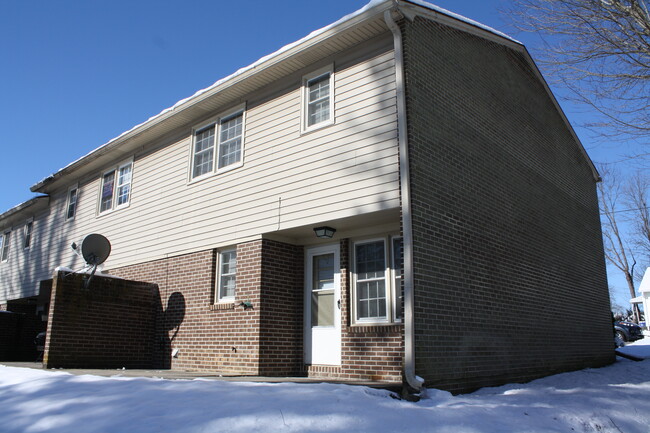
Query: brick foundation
{"x": 267, "y": 339}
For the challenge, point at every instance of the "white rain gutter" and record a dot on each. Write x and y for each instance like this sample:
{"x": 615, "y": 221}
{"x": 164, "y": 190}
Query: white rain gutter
{"x": 407, "y": 227}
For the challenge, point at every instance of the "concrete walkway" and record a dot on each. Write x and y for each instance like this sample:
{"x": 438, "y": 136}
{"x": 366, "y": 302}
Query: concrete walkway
{"x": 189, "y": 375}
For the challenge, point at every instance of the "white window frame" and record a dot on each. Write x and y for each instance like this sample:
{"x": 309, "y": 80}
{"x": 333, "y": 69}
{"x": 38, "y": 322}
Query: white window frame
{"x": 76, "y": 201}
{"x": 219, "y": 275}
{"x": 216, "y": 123}
{"x": 396, "y": 278}
{"x": 28, "y": 233}
{"x": 390, "y": 282}
{"x": 4, "y": 248}
{"x": 304, "y": 117}
{"x": 116, "y": 186}
{"x": 387, "y": 283}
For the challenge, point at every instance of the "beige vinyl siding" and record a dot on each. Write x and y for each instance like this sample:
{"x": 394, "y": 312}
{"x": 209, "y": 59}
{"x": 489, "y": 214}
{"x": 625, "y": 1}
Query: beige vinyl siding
{"x": 288, "y": 179}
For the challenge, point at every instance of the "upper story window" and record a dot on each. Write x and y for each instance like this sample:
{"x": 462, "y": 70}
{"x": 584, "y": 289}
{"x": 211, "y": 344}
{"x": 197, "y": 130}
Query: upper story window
{"x": 318, "y": 101}
{"x": 71, "y": 203}
{"x": 29, "y": 228}
{"x": 4, "y": 246}
{"x": 377, "y": 277}
{"x": 116, "y": 187}
{"x": 219, "y": 145}
{"x": 227, "y": 275}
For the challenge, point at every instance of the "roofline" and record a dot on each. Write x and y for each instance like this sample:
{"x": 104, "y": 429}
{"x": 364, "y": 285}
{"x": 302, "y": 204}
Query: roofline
{"x": 371, "y": 9}
{"x": 410, "y": 8}
{"x": 559, "y": 109}
{"x": 24, "y": 205}
{"x": 449, "y": 18}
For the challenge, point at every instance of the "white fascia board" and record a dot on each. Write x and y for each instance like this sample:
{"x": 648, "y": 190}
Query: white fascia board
{"x": 375, "y": 7}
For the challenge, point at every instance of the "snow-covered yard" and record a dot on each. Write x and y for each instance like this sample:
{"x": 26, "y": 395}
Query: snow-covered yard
{"x": 611, "y": 399}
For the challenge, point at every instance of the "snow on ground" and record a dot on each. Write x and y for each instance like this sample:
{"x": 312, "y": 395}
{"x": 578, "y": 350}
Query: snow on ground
{"x": 610, "y": 399}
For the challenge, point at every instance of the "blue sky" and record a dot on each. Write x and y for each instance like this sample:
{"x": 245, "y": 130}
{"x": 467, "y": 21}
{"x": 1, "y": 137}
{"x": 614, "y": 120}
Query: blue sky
{"x": 74, "y": 74}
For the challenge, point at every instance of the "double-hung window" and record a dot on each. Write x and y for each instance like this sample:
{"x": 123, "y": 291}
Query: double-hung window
{"x": 219, "y": 145}
{"x": 71, "y": 203}
{"x": 377, "y": 280}
{"x": 318, "y": 101}
{"x": 4, "y": 246}
{"x": 29, "y": 228}
{"x": 227, "y": 275}
{"x": 116, "y": 187}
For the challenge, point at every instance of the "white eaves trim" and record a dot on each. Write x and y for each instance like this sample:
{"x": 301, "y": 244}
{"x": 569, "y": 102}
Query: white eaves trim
{"x": 372, "y": 8}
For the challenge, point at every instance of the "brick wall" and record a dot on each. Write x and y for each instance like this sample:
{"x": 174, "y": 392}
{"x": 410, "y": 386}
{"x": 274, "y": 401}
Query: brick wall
{"x": 222, "y": 338}
{"x": 367, "y": 352}
{"x": 267, "y": 339}
{"x": 281, "y": 309}
{"x": 510, "y": 278}
{"x": 110, "y": 324}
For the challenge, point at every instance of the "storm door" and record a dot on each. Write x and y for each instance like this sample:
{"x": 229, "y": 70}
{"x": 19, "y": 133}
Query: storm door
{"x": 323, "y": 306}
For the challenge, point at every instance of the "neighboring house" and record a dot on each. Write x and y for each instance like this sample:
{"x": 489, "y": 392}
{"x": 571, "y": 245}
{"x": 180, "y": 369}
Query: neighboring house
{"x": 464, "y": 207}
{"x": 644, "y": 297}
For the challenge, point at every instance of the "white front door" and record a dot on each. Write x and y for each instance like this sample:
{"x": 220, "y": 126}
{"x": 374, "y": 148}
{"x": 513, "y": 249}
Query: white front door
{"x": 323, "y": 306}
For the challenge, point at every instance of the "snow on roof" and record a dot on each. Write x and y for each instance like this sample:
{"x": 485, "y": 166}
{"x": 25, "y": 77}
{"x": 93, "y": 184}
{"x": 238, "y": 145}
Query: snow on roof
{"x": 21, "y": 206}
{"x": 462, "y": 18}
{"x": 287, "y": 47}
{"x": 87, "y": 270}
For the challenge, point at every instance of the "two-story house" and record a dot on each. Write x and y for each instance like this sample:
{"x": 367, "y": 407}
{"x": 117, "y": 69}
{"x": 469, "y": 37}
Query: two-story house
{"x": 395, "y": 197}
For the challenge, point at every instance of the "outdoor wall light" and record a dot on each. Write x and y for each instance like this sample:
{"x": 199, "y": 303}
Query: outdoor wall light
{"x": 247, "y": 305}
{"x": 324, "y": 232}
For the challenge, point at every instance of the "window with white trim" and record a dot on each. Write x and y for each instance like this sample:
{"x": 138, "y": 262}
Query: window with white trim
{"x": 318, "y": 101}
{"x": 227, "y": 275}
{"x": 115, "y": 191}
{"x": 397, "y": 255}
{"x": 71, "y": 203}
{"x": 29, "y": 228}
{"x": 377, "y": 274}
{"x": 4, "y": 246}
{"x": 219, "y": 145}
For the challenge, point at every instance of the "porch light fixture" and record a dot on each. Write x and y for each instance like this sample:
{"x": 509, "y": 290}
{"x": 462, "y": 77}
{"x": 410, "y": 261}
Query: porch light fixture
{"x": 324, "y": 232}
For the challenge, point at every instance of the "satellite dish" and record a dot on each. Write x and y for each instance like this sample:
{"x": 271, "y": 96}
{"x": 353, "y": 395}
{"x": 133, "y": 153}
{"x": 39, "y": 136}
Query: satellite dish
{"x": 95, "y": 249}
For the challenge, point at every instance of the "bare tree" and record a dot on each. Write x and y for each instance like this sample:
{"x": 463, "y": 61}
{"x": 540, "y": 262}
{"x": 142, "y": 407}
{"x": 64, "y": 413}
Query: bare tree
{"x": 638, "y": 197}
{"x": 599, "y": 49}
{"x": 617, "y": 250}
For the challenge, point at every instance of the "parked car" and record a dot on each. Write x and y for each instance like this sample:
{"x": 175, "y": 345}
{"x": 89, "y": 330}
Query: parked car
{"x": 628, "y": 331}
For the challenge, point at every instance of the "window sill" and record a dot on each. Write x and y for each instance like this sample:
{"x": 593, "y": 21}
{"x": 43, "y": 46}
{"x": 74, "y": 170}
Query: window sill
{"x": 111, "y": 211}
{"x": 222, "y": 306}
{"x": 213, "y": 174}
{"x": 316, "y": 127}
{"x": 383, "y": 328}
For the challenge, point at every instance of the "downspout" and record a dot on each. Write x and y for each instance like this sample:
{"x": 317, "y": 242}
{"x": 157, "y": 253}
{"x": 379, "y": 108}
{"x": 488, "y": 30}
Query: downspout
{"x": 407, "y": 227}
